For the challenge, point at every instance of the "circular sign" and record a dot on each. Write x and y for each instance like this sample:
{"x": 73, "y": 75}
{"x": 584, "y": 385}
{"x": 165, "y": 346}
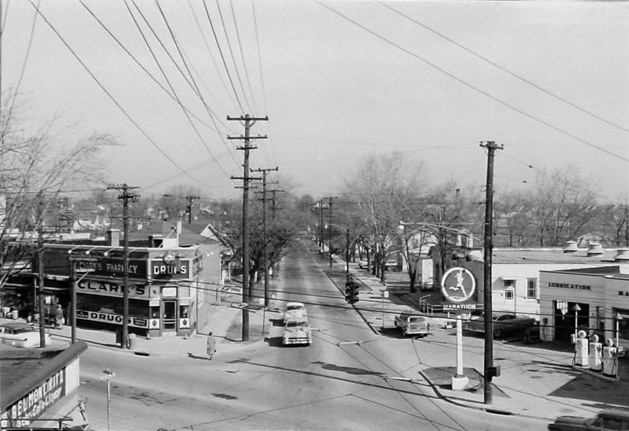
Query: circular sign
{"x": 169, "y": 258}
{"x": 458, "y": 285}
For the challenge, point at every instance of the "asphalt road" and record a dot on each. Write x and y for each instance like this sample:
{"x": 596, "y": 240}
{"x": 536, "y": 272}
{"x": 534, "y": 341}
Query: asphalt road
{"x": 341, "y": 382}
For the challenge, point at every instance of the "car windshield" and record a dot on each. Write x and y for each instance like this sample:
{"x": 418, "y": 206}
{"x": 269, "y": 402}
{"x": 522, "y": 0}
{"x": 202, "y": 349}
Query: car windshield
{"x": 295, "y": 324}
{"x": 294, "y": 307}
{"x": 18, "y": 329}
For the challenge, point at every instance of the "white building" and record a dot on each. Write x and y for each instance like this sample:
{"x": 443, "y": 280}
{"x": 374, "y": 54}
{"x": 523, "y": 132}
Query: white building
{"x": 595, "y": 300}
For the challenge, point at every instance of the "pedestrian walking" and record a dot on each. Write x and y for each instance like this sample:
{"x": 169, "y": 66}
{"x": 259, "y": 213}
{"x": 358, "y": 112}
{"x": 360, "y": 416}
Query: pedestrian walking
{"x": 211, "y": 345}
{"x": 59, "y": 320}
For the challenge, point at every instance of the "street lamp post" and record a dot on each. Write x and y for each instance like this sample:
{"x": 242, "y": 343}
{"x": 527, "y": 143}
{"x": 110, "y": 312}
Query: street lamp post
{"x": 576, "y": 310}
{"x": 618, "y": 318}
{"x": 108, "y": 376}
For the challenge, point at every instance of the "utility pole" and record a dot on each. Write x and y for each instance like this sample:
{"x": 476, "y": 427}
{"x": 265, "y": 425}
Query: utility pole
{"x": 330, "y": 230}
{"x": 189, "y": 207}
{"x": 40, "y": 269}
{"x": 125, "y": 196}
{"x": 490, "y": 371}
{"x": 266, "y": 246}
{"x": 321, "y": 228}
{"x": 247, "y": 122}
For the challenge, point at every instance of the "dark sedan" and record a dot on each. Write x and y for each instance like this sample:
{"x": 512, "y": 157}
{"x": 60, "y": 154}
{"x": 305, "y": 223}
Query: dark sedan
{"x": 605, "y": 420}
{"x": 503, "y": 324}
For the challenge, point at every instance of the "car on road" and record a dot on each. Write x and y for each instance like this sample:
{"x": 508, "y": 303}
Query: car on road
{"x": 297, "y": 331}
{"x": 604, "y": 420}
{"x": 412, "y": 324}
{"x": 295, "y": 309}
{"x": 363, "y": 264}
{"x": 21, "y": 334}
{"x": 503, "y": 324}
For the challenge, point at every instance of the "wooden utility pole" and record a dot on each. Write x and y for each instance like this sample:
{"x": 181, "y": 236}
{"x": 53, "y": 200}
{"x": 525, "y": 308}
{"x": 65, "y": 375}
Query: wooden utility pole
{"x": 125, "y": 196}
{"x": 40, "y": 270}
{"x": 489, "y": 370}
{"x": 189, "y": 207}
{"x": 247, "y": 122}
{"x": 330, "y": 230}
{"x": 265, "y": 240}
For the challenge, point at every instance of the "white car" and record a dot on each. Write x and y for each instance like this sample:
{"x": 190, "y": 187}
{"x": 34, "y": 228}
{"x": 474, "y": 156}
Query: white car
{"x": 21, "y": 335}
{"x": 296, "y": 310}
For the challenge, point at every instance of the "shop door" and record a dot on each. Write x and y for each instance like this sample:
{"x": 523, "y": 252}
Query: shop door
{"x": 169, "y": 323}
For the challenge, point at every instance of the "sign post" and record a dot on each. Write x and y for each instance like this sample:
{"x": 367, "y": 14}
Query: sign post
{"x": 458, "y": 287}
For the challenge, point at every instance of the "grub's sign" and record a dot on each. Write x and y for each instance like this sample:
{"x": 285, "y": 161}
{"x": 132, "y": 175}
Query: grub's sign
{"x": 115, "y": 319}
{"x": 38, "y": 400}
{"x": 458, "y": 287}
{"x": 162, "y": 270}
{"x": 111, "y": 289}
{"x": 111, "y": 267}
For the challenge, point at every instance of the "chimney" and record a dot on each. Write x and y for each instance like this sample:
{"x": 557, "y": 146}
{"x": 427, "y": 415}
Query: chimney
{"x": 595, "y": 249}
{"x": 570, "y": 247}
{"x": 113, "y": 237}
{"x": 623, "y": 255}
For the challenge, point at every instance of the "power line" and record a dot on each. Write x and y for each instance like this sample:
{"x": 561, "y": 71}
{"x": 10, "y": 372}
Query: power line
{"x": 543, "y": 90}
{"x": 484, "y": 93}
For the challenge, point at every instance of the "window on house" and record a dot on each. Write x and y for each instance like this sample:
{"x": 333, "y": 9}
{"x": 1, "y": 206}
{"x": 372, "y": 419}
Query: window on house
{"x": 531, "y": 288}
{"x": 509, "y": 290}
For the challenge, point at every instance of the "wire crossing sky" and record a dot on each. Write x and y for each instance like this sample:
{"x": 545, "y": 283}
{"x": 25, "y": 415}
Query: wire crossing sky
{"x": 339, "y": 80}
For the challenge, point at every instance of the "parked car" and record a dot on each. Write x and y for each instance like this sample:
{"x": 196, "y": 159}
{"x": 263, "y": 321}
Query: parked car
{"x": 363, "y": 263}
{"x": 20, "y": 334}
{"x": 295, "y": 309}
{"x": 605, "y": 420}
{"x": 503, "y": 324}
{"x": 412, "y": 324}
{"x": 297, "y": 331}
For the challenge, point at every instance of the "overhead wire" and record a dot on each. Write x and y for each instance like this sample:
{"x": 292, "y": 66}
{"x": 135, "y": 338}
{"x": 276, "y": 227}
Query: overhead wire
{"x": 220, "y": 50}
{"x": 494, "y": 64}
{"x": 210, "y": 112}
{"x": 467, "y": 84}
{"x": 111, "y": 97}
{"x": 231, "y": 52}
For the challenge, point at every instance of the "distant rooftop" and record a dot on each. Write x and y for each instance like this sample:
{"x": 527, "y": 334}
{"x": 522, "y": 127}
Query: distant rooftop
{"x": 556, "y": 255}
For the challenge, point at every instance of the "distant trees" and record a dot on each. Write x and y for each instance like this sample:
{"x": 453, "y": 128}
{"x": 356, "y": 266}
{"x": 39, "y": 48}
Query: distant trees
{"x": 39, "y": 163}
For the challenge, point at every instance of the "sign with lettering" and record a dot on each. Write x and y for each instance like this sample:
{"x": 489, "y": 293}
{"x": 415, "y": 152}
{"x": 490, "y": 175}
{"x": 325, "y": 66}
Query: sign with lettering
{"x": 37, "y": 401}
{"x": 116, "y": 319}
{"x": 458, "y": 287}
{"x": 569, "y": 286}
{"x": 111, "y": 266}
{"x": 161, "y": 270}
{"x": 112, "y": 289}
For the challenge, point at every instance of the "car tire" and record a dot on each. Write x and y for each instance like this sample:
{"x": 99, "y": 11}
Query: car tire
{"x": 497, "y": 332}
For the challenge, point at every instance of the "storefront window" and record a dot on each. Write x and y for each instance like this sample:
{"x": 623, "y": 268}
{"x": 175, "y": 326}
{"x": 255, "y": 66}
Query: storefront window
{"x": 112, "y": 305}
{"x": 183, "y": 311}
{"x": 509, "y": 294}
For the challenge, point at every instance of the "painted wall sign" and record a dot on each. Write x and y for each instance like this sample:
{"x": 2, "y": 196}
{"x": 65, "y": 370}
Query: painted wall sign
{"x": 458, "y": 287}
{"x": 112, "y": 289}
{"x": 38, "y": 400}
{"x": 569, "y": 286}
{"x": 116, "y": 319}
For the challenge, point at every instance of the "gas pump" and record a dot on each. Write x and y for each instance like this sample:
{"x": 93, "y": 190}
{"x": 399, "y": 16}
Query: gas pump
{"x": 581, "y": 350}
{"x": 596, "y": 354}
{"x": 610, "y": 361}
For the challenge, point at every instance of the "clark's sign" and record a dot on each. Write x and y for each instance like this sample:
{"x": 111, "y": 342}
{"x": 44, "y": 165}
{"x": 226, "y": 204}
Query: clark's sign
{"x": 112, "y": 289}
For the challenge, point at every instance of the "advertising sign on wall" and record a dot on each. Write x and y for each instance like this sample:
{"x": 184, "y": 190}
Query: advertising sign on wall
{"x": 37, "y": 401}
{"x": 115, "y": 319}
{"x": 108, "y": 288}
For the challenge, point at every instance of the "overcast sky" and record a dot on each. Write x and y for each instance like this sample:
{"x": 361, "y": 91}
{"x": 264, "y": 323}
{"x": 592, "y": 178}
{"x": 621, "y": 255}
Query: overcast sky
{"x": 337, "y": 80}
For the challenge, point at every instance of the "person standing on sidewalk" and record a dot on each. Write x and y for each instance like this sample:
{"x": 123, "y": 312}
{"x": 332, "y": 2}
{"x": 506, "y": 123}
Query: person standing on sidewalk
{"x": 59, "y": 320}
{"x": 211, "y": 345}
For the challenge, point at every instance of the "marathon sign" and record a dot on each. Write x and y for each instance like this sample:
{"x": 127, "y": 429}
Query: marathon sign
{"x": 107, "y": 288}
{"x": 458, "y": 287}
{"x": 162, "y": 270}
{"x": 37, "y": 401}
{"x": 115, "y": 319}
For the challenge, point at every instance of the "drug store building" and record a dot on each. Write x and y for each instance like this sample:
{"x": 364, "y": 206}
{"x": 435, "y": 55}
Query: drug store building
{"x": 595, "y": 300}
{"x": 166, "y": 289}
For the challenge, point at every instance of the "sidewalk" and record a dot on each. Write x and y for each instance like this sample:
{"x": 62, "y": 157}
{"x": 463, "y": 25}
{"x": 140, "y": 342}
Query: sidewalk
{"x": 536, "y": 380}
